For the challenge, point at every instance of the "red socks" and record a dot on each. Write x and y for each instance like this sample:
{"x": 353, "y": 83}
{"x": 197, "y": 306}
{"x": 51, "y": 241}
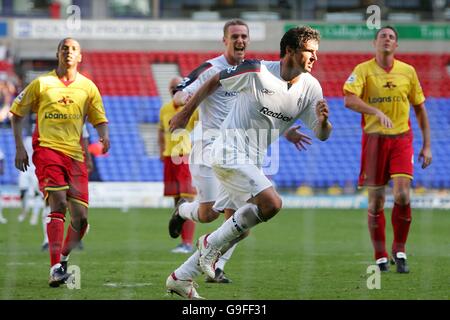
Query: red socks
{"x": 377, "y": 223}
{"x": 187, "y": 232}
{"x": 401, "y": 220}
{"x": 55, "y": 233}
{"x": 73, "y": 237}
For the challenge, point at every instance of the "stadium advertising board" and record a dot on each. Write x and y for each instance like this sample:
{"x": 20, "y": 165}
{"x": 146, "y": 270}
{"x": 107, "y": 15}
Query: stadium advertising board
{"x": 127, "y": 30}
{"x": 361, "y": 32}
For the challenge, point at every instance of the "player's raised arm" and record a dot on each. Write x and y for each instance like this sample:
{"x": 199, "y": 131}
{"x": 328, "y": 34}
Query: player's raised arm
{"x": 181, "y": 119}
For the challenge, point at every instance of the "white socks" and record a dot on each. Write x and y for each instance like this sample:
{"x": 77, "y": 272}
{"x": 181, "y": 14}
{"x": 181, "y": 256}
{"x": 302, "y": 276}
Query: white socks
{"x": 243, "y": 219}
{"x": 190, "y": 268}
{"x": 189, "y": 210}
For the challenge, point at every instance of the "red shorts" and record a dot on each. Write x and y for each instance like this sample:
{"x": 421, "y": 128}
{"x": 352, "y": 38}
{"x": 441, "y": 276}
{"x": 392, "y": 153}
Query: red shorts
{"x": 177, "y": 178}
{"x": 57, "y": 171}
{"x": 384, "y": 157}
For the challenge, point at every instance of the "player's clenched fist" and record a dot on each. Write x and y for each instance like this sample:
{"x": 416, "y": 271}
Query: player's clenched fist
{"x": 322, "y": 110}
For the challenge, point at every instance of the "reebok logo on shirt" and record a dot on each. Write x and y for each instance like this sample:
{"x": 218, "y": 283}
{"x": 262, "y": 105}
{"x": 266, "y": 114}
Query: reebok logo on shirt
{"x": 276, "y": 115}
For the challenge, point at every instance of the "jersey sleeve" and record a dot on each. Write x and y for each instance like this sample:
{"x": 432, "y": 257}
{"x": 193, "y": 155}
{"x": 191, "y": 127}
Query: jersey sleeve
{"x": 239, "y": 77}
{"x": 355, "y": 82}
{"x": 309, "y": 117}
{"x": 416, "y": 95}
{"x": 27, "y": 100}
{"x": 196, "y": 78}
{"x": 96, "y": 111}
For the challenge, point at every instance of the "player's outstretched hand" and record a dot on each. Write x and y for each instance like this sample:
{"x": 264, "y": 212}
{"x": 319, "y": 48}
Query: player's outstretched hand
{"x": 322, "y": 111}
{"x": 298, "y": 138}
{"x": 21, "y": 161}
{"x": 425, "y": 157}
{"x": 178, "y": 121}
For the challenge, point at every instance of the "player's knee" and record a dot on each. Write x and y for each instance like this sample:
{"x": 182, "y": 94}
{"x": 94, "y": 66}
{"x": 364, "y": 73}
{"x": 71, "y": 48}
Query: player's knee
{"x": 206, "y": 213}
{"x": 401, "y": 197}
{"x": 271, "y": 208}
{"x": 376, "y": 205}
{"x": 59, "y": 205}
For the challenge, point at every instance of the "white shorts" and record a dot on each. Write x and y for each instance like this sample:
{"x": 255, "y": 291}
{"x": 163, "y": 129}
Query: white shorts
{"x": 203, "y": 178}
{"x": 240, "y": 182}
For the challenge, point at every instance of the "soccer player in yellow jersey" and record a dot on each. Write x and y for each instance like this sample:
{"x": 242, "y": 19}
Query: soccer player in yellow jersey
{"x": 174, "y": 152}
{"x": 62, "y": 99}
{"x": 382, "y": 90}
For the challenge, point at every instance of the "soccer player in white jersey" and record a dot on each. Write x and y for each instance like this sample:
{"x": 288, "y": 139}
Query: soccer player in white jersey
{"x": 272, "y": 96}
{"x": 213, "y": 111}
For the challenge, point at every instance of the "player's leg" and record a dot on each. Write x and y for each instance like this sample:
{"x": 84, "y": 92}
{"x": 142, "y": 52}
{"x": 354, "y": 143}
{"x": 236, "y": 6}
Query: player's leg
{"x": 201, "y": 209}
{"x": 401, "y": 170}
{"x": 51, "y": 172}
{"x": 188, "y": 192}
{"x": 76, "y": 229}
{"x": 45, "y": 214}
{"x": 78, "y": 196}
{"x": 55, "y": 232}
{"x": 253, "y": 193}
{"x": 377, "y": 224}
{"x": 374, "y": 174}
{"x": 401, "y": 221}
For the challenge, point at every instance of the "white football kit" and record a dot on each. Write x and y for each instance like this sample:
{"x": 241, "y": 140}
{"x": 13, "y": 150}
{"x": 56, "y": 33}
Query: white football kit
{"x": 213, "y": 111}
{"x": 265, "y": 108}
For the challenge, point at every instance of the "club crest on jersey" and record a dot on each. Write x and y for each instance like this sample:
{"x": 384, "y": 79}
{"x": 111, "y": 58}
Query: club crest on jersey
{"x": 389, "y": 85}
{"x": 267, "y": 91}
{"x": 65, "y": 100}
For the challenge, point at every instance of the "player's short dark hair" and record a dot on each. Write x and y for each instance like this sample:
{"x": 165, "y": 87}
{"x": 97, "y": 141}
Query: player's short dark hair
{"x": 63, "y": 40}
{"x": 387, "y": 27}
{"x": 297, "y": 37}
{"x": 234, "y": 22}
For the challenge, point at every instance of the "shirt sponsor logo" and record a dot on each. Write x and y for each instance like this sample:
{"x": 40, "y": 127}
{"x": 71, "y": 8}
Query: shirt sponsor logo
{"x": 62, "y": 116}
{"x": 385, "y": 99}
{"x": 277, "y": 115}
{"x": 230, "y": 93}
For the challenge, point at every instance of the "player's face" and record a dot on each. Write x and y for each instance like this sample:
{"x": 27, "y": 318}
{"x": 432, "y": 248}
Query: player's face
{"x": 307, "y": 55}
{"x": 69, "y": 53}
{"x": 386, "y": 42}
{"x": 236, "y": 41}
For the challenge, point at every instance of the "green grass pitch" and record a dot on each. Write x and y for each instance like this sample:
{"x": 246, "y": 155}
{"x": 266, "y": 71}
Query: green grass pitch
{"x": 299, "y": 254}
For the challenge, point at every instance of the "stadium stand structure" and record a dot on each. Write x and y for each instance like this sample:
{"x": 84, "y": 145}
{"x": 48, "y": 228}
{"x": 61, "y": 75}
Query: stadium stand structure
{"x": 131, "y": 98}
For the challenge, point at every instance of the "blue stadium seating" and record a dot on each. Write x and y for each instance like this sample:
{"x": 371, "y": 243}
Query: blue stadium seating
{"x": 335, "y": 161}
